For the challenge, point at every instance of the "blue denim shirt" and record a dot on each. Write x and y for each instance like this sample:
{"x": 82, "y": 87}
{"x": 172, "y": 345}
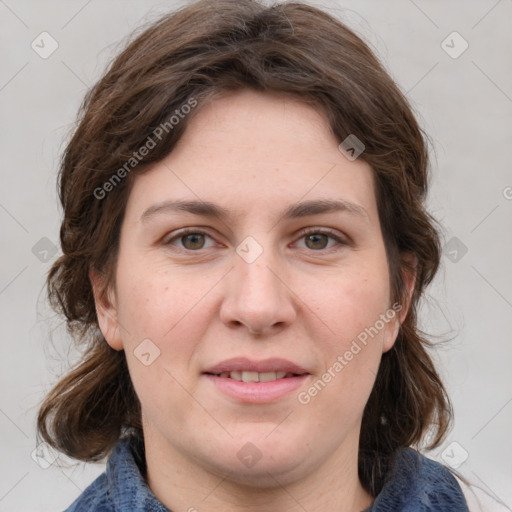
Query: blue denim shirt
{"x": 415, "y": 484}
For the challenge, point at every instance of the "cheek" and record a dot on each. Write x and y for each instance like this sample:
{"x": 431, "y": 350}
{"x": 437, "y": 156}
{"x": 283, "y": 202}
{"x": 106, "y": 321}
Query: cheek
{"x": 351, "y": 349}
{"x": 174, "y": 311}
{"x": 166, "y": 309}
{"x": 351, "y": 333}
{"x": 156, "y": 303}
{"x": 348, "y": 301}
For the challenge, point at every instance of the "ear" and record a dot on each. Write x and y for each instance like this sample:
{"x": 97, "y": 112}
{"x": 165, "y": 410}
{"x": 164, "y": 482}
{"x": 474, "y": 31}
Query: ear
{"x": 409, "y": 263}
{"x": 106, "y": 310}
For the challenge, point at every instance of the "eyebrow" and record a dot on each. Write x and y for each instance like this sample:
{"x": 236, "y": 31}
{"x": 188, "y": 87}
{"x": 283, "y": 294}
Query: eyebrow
{"x": 294, "y": 211}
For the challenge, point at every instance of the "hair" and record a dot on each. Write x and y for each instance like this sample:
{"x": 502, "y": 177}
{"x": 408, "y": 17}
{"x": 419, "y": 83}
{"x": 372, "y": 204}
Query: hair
{"x": 206, "y": 49}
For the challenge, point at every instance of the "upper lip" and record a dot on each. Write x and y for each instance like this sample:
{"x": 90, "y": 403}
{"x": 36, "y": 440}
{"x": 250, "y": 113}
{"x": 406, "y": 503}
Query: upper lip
{"x": 265, "y": 365}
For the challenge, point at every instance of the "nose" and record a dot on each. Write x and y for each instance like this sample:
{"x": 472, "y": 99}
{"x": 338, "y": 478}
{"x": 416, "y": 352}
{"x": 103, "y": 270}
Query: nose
{"x": 257, "y": 297}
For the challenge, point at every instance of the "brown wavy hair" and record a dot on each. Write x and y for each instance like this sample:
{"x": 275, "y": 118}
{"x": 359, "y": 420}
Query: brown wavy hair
{"x": 204, "y": 50}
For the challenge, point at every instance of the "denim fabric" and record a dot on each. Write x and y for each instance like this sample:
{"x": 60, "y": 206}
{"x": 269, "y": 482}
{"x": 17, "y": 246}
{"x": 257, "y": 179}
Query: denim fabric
{"x": 418, "y": 484}
{"x": 122, "y": 487}
{"x": 415, "y": 484}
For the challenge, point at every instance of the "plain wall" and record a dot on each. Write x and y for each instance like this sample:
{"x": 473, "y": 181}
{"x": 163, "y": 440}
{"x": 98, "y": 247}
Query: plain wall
{"x": 464, "y": 104}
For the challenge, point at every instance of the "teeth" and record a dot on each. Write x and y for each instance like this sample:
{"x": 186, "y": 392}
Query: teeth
{"x": 245, "y": 376}
{"x": 250, "y": 377}
{"x": 267, "y": 376}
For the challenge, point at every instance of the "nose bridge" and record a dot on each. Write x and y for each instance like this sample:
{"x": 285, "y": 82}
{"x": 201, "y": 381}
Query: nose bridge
{"x": 258, "y": 285}
{"x": 253, "y": 262}
{"x": 255, "y": 296}
{"x": 257, "y": 281}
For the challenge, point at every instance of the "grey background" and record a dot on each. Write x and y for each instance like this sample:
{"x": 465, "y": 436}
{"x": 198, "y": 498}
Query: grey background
{"x": 464, "y": 103}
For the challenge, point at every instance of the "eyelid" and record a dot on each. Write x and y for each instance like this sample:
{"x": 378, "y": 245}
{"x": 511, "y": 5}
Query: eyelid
{"x": 324, "y": 231}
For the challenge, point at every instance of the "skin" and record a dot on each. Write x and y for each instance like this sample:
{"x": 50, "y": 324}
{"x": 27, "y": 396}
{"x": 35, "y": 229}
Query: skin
{"x": 254, "y": 154}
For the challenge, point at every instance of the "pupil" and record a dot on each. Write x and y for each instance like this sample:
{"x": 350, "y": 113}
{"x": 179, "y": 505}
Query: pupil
{"x": 193, "y": 241}
{"x": 319, "y": 241}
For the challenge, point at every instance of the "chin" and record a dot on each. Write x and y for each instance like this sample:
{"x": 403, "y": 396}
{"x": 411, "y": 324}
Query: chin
{"x": 258, "y": 462}
{"x": 264, "y": 474}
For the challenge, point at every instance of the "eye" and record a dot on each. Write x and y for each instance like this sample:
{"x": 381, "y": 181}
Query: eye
{"x": 321, "y": 239}
{"x": 190, "y": 240}
{"x": 314, "y": 239}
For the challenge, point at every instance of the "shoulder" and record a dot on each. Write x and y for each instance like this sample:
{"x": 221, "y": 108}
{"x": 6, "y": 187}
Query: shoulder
{"x": 418, "y": 483}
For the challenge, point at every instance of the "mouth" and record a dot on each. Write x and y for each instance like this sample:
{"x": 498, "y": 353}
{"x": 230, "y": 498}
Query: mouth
{"x": 258, "y": 382}
{"x": 250, "y": 376}
{"x": 244, "y": 369}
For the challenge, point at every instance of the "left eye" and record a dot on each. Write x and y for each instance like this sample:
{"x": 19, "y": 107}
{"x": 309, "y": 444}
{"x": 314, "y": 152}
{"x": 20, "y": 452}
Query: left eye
{"x": 318, "y": 240}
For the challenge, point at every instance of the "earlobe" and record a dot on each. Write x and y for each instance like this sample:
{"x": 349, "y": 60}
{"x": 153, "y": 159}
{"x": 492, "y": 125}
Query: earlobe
{"x": 106, "y": 311}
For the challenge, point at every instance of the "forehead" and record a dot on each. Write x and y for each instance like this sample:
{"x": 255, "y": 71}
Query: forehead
{"x": 263, "y": 149}
{"x": 248, "y": 123}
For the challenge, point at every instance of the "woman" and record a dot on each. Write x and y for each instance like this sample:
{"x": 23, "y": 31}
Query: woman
{"x": 244, "y": 246}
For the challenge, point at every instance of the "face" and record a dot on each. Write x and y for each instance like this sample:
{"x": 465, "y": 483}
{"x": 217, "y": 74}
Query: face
{"x": 253, "y": 252}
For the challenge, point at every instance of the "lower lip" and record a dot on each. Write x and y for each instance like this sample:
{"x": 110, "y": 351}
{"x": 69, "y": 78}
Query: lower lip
{"x": 257, "y": 392}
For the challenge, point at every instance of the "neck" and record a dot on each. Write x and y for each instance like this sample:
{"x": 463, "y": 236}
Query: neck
{"x": 184, "y": 484}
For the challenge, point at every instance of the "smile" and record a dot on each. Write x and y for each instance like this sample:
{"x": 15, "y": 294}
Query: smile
{"x": 249, "y": 376}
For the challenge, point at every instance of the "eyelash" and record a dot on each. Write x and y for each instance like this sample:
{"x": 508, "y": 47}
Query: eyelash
{"x": 308, "y": 231}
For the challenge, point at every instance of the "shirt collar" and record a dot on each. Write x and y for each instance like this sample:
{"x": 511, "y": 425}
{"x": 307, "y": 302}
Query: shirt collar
{"x": 416, "y": 483}
{"x": 128, "y": 488}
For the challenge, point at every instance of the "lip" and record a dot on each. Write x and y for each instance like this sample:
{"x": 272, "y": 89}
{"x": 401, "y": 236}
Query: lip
{"x": 265, "y": 365}
{"x": 256, "y": 392}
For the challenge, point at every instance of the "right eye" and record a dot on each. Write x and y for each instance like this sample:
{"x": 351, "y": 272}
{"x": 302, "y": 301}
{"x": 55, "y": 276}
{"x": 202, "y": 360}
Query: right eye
{"x": 190, "y": 240}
